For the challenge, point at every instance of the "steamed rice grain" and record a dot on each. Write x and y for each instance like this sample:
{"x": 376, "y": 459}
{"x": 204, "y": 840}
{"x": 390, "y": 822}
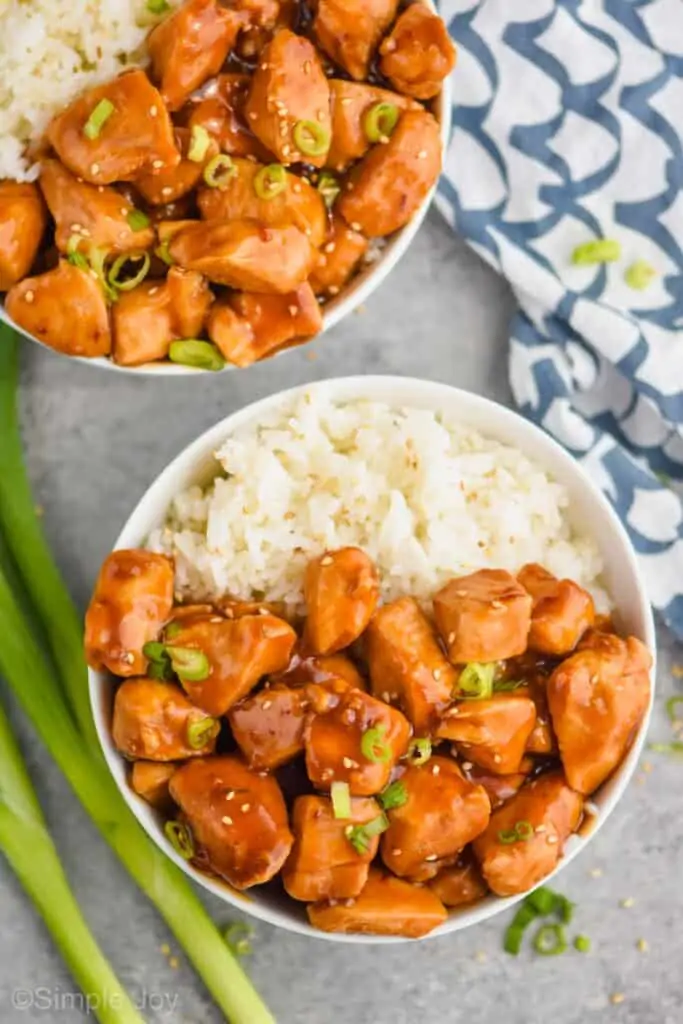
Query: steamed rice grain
{"x": 427, "y": 497}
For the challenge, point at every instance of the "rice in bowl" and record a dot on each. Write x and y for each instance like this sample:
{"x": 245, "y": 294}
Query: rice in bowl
{"x": 426, "y": 497}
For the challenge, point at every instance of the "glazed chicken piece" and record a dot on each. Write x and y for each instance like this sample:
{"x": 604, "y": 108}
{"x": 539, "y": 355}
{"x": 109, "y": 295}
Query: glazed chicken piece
{"x": 351, "y": 737}
{"x": 460, "y": 884}
{"x": 235, "y": 608}
{"x": 418, "y": 53}
{"x": 237, "y": 817}
{"x": 244, "y": 254}
{"x": 324, "y": 864}
{"x": 386, "y": 906}
{"x": 137, "y": 134}
{"x": 65, "y": 309}
{"x": 132, "y": 600}
{"x": 443, "y": 812}
{"x": 349, "y": 31}
{"x": 483, "y": 617}
{"x": 189, "y": 46}
{"x": 393, "y": 179}
{"x": 288, "y": 107}
{"x": 542, "y": 739}
{"x": 544, "y": 813}
{"x": 493, "y": 733}
{"x": 407, "y": 664}
{"x": 148, "y": 318}
{"x": 297, "y": 203}
{"x": 351, "y": 103}
{"x": 239, "y": 652}
{"x": 222, "y": 115}
{"x": 248, "y": 326}
{"x": 339, "y": 258}
{"x": 597, "y": 699}
{"x": 150, "y": 780}
{"x": 155, "y": 720}
{"x": 170, "y": 184}
{"x": 268, "y": 727}
{"x": 341, "y": 591}
{"x": 22, "y": 226}
{"x": 90, "y": 217}
{"x": 499, "y": 788}
{"x": 304, "y": 669}
{"x": 561, "y": 613}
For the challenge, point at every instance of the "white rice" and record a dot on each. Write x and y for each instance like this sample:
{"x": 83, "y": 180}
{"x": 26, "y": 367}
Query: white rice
{"x": 425, "y": 496}
{"x": 50, "y": 52}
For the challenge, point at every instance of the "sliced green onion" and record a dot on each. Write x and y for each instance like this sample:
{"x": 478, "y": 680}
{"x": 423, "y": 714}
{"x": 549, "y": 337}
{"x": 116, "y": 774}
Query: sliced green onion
{"x": 329, "y": 188}
{"x": 201, "y": 732}
{"x": 98, "y": 118}
{"x": 164, "y": 253}
{"x": 524, "y": 830}
{"x": 154, "y": 650}
{"x": 582, "y": 943}
{"x": 341, "y": 799}
{"x": 373, "y": 745}
{"x": 672, "y": 705}
{"x": 311, "y": 138}
{"x": 550, "y": 940}
{"x": 137, "y": 220}
{"x": 180, "y": 838}
{"x": 395, "y": 795}
{"x": 507, "y": 836}
{"x": 73, "y": 243}
{"x": 512, "y": 942}
{"x": 97, "y": 258}
{"x": 200, "y": 140}
{"x": 380, "y": 121}
{"x": 419, "y": 750}
{"x": 160, "y": 670}
{"x": 360, "y": 835}
{"x": 77, "y": 259}
{"x": 219, "y": 171}
{"x": 565, "y": 908}
{"x": 127, "y": 284}
{"x": 602, "y": 250}
{"x": 667, "y": 748}
{"x": 172, "y": 630}
{"x": 189, "y": 663}
{"x": 508, "y": 685}
{"x": 203, "y": 355}
{"x": 640, "y": 275}
{"x": 270, "y": 181}
{"x": 476, "y": 681}
{"x": 238, "y": 937}
{"x": 543, "y": 900}
{"x": 158, "y": 6}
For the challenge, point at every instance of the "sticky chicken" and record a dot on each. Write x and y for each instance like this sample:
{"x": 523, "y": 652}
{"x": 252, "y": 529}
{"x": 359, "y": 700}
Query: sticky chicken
{"x": 154, "y": 720}
{"x": 22, "y": 225}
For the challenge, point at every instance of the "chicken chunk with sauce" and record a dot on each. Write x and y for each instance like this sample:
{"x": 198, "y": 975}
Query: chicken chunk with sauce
{"x": 418, "y": 53}
{"x": 483, "y": 617}
{"x": 351, "y": 104}
{"x": 22, "y": 226}
{"x": 150, "y": 780}
{"x": 132, "y": 600}
{"x": 154, "y": 720}
{"x": 341, "y": 590}
{"x": 459, "y": 884}
{"x": 237, "y": 818}
{"x": 493, "y": 733}
{"x": 349, "y": 31}
{"x": 561, "y": 613}
{"x": 268, "y": 727}
{"x": 248, "y": 325}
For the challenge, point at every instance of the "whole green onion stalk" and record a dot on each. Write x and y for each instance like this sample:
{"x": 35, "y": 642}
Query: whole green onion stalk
{"x": 61, "y": 714}
{"x": 30, "y": 852}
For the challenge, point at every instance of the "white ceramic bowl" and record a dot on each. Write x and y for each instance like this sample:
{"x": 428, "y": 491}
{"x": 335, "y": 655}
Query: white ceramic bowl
{"x": 588, "y": 510}
{"x": 335, "y": 310}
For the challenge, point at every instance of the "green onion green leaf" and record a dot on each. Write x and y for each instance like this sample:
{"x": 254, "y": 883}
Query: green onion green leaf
{"x": 201, "y": 732}
{"x": 550, "y": 940}
{"x": 373, "y": 745}
{"x": 419, "y": 750}
{"x": 341, "y": 799}
{"x": 476, "y": 681}
{"x": 395, "y": 795}
{"x": 270, "y": 181}
{"x": 180, "y": 838}
{"x": 189, "y": 664}
{"x": 582, "y": 943}
{"x": 310, "y": 138}
{"x": 126, "y": 284}
{"x": 137, "y": 220}
{"x": 200, "y": 140}
{"x": 380, "y": 121}
{"x": 98, "y": 118}
{"x": 640, "y": 275}
{"x": 219, "y": 171}
{"x": 202, "y": 355}
{"x": 329, "y": 188}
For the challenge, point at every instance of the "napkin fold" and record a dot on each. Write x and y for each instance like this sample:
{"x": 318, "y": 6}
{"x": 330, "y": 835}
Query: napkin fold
{"x": 567, "y": 128}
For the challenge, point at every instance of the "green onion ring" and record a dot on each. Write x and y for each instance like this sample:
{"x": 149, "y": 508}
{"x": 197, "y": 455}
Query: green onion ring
{"x": 132, "y": 282}
{"x": 270, "y": 181}
{"x": 380, "y": 120}
{"x": 219, "y": 171}
{"x": 373, "y": 745}
{"x": 202, "y": 355}
{"x": 311, "y": 138}
{"x": 180, "y": 838}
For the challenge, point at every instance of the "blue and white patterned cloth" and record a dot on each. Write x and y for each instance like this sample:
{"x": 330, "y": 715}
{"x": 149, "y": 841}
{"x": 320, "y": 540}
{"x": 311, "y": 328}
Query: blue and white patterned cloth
{"x": 568, "y": 126}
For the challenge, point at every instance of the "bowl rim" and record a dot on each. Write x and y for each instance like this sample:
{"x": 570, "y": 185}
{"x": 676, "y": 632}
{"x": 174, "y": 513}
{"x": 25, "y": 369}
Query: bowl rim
{"x": 528, "y": 438}
{"x": 360, "y": 289}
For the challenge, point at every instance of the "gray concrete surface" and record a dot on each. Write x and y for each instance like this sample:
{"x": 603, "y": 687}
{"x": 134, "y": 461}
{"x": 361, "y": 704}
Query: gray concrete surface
{"x": 94, "y": 441}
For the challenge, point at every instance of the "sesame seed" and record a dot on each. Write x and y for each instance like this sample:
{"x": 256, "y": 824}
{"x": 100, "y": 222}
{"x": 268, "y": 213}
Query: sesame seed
{"x": 348, "y": 830}
{"x": 432, "y": 857}
{"x": 230, "y": 794}
{"x": 497, "y": 604}
{"x": 166, "y": 191}
{"x": 450, "y": 638}
{"x": 627, "y": 903}
{"x": 321, "y": 115}
{"x": 152, "y": 291}
{"x": 617, "y": 997}
{"x": 436, "y": 769}
{"x": 497, "y": 758}
{"x": 94, "y": 168}
{"x": 153, "y": 111}
{"x": 266, "y": 704}
{"x": 437, "y": 674}
{"x": 29, "y": 296}
{"x": 461, "y": 593}
{"x": 307, "y": 66}
{"x": 467, "y": 765}
{"x": 642, "y": 945}
{"x": 330, "y": 247}
{"x": 355, "y": 225}
{"x": 595, "y": 873}
{"x": 245, "y": 807}
{"x": 174, "y": 963}
{"x": 383, "y": 139}
{"x": 646, "y": 766}
{"x": 157, "y": 164}
{"x": 216, "y": 618}
{"x": 252, "y": 115}
{"x": 349, "y": 902}
{"x": 296, "y": 188}
{"x": 349, "y": 762}
{"x": 480, "y": 957}
{"x": 552, "y": 840}
{"x": 264, "y": 66}
{"x": 333, "y": 289}
{"x": 422, "y": 155}
{"x": 386, "y": 696}
{"x": 396, "y": 853}
{"x": 594, "y": 679}
{"x": 345, "y": 102}
{"x": 540, "y": 829}
{"x": 326, "y": 560}
{"x": 226, "y": 820}
{"x": 165, "y": 949}
{"x": 286, "y": 150}
{"x": 77, "y": 228}
{"x": 452, "y": 711}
